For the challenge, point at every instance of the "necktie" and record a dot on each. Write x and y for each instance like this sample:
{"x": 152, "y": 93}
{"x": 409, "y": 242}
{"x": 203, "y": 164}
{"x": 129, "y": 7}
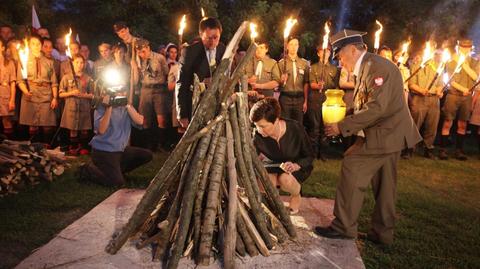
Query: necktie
{"x": 258, "y": 71}
{"x": 294, "y": 70}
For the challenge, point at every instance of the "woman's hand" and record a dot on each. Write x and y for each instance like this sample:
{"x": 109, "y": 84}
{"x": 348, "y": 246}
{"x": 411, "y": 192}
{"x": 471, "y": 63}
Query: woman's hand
{"x": 290, "y": 167}
{"x": 54, "y": 103}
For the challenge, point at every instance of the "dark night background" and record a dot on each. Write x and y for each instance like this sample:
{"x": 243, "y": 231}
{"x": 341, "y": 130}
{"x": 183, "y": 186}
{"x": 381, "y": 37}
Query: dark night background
{"x": 441, "y": 20}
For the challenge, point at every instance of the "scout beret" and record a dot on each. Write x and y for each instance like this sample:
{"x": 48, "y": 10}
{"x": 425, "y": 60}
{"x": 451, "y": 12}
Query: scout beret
{"x": 345, "y": 37}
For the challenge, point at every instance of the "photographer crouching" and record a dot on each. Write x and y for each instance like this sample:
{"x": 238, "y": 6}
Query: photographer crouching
{"x": 113, "y": 120}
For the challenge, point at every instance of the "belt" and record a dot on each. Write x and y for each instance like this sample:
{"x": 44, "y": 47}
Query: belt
{"x": 292, "y": 94}
{"x": 426, "y": 95}
{"x": 155, "y": 86}
{"x": 458, "y": 94}
{"x": 39, "y": 84}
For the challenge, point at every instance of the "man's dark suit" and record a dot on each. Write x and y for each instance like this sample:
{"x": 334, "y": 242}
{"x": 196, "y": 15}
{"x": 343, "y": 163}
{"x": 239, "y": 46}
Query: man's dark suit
{"x": 193, "y": 61}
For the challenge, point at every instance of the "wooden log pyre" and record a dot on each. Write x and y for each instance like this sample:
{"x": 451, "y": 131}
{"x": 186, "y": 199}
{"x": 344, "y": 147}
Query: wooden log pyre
{"x": 205, "y": 217}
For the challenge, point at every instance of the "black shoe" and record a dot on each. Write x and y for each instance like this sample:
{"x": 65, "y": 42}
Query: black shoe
{"x": 372, "y": 237}
{"x": 320, "y": 156}
{"x": 329, "y": 232}
{"x": 429, "y": 154}
{"x": 443, "y": 154}
{"x": 407, "y": 154}
{"x": 460, "y": 155}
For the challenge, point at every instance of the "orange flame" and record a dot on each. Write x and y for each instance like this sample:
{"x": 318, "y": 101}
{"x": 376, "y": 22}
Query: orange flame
{"x": 183, "y": 24}
{"x": 203, "y": 12}
{"x": 326, "y": 36}
{"x": 253, "y": 31}
{"x": 377, "y": 35}
{"x": 67, "y": 43}
{"x": 23, "y": 55}
{"x": 427, "y": 53}
{"x": 288, "y": 27}
{"x": 405, "y": 46}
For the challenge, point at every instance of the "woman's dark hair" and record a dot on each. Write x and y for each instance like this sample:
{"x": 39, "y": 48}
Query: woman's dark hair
{"x": 268, "y": 109}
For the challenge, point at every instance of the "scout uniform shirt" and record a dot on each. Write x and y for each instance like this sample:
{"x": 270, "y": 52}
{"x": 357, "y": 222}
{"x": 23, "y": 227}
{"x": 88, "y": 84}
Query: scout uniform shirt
{"x": 76, "y": 113}
{"x": 425, "y": 77}
{"x": 41, "y": 78}
{"x": 154, "y": 71}
{"x": 7, "y": 76}
{"x": 265, "y": 70}
{"x": 297, "y": 70}
{"x": 325, "y": 72}
{"x": 462, "y": 77}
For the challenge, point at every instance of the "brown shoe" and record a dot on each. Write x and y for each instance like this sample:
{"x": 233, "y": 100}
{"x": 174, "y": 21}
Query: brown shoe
{"x": 460, "y": 155}
{"x": 442, "y": 155}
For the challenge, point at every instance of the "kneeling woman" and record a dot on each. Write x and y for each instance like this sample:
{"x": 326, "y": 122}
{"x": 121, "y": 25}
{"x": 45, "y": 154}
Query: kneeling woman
{"x": 284, "y": 147}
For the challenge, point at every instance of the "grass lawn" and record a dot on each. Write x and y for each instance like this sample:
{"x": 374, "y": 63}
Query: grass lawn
{"x": 438, "y": 212}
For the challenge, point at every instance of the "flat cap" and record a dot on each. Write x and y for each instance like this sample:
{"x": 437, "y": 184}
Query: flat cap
{"x": 345, "y": 37}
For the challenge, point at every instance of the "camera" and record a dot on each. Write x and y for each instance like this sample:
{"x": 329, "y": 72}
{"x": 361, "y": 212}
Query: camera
{"x": 111, "y": 84}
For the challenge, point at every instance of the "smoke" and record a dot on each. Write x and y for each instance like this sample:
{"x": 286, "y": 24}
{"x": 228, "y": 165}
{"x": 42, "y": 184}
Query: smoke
{"x": 474, "y": 33}
{"x": 344, "y": 10}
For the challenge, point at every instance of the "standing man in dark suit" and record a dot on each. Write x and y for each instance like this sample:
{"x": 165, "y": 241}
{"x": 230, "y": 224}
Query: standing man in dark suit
{"x": 200, "y": 58}
{"x": 384, "y": 127}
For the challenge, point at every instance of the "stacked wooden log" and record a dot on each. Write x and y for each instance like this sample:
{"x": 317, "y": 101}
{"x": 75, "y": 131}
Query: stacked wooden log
{"x": 22, "y": 163}
{"x": 206, "y": 201}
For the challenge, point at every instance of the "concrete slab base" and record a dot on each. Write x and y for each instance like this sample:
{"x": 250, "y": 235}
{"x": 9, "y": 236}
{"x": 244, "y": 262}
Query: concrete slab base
{"x": 81, "y": 245}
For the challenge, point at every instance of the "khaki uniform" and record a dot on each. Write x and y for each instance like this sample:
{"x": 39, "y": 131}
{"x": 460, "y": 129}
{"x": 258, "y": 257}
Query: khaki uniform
{"x": 330, "y": 75}
{"x": 388, "y": 127}
{"x": 154, "y": 95}
{"x": 35, "y": 110}
{"x": 292, "y": 95}
{"x": 7, "y": 76}
{"x": 99, "y": 66}
{"x": 173, "y": 74}
{"x": 269, "y": 72}
{"x": 77, "y": 111}
{"x": 456, "y": 104}
{"x": 426, "y": 109}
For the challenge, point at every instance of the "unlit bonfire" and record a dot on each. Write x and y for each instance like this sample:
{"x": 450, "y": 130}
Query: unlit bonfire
{"x": 205, "y": 202}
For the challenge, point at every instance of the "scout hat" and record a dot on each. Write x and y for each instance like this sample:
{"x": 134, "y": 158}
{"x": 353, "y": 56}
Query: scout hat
{"x": 345, "y": 37}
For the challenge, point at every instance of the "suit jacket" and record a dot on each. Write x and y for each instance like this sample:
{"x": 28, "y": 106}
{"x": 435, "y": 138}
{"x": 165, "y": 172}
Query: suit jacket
{"x": 193, "y": 61}
{"x": 382, "y": 112}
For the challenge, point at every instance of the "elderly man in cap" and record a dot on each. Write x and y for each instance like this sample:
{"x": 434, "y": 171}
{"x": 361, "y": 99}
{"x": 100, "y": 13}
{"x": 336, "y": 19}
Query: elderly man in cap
{"x": 458, "y": 103}
{"x": 155, "y": 98}
{"x": 384, "y": 127}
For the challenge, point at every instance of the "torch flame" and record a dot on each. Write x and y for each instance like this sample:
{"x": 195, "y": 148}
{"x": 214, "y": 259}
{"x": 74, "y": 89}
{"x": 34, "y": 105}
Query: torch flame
{"x": 377, "y": 35}
{"x": 23, "y": 55}
{"x": 67, "y": 43}
{"x": 253, "y": 31}
{"x": 288, "y": 27}
{"x": 427, "y": 53}
{"x": 405, "y": 46}
{"x": 203, "y": 12}
{"x": 183, "y": 24}
{"x": 445, "y": 59}
{"x": 461, "y": 60}
{"x": 325, "y": 37}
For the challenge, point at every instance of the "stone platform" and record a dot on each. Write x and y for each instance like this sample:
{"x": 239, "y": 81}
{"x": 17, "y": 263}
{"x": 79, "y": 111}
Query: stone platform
{"x": 81, "y": 245}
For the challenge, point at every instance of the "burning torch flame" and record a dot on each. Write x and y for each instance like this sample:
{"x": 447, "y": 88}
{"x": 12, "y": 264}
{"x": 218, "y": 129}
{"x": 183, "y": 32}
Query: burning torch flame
{"x": 445, "y": 58}
{"x": 377, "y": 35}
{"x": 325, "y": 37}
{"x": 183, "y": 24}
{"x": 23, "y": 55}
{"x": 203, "y": 12}
{"x": 253, "y": 31}
{"x": 405, "y": 46}
{"x": 67, "y": 43}
{"x": 427, "y": 53}
{"x": 461, "y": 60}
{"x": 288, "y": 27}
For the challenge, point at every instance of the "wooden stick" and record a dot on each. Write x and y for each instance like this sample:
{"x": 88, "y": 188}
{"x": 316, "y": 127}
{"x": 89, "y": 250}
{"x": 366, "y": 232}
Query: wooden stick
{"x": 212, "y": 202}
{"x": 253, "y": 231}
{"x": 231, "y": 231}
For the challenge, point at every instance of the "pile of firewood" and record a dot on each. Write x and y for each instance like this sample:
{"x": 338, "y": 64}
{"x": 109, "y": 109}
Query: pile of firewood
{"x": 212, "y": 198}
{"x": 22, "y": 163}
